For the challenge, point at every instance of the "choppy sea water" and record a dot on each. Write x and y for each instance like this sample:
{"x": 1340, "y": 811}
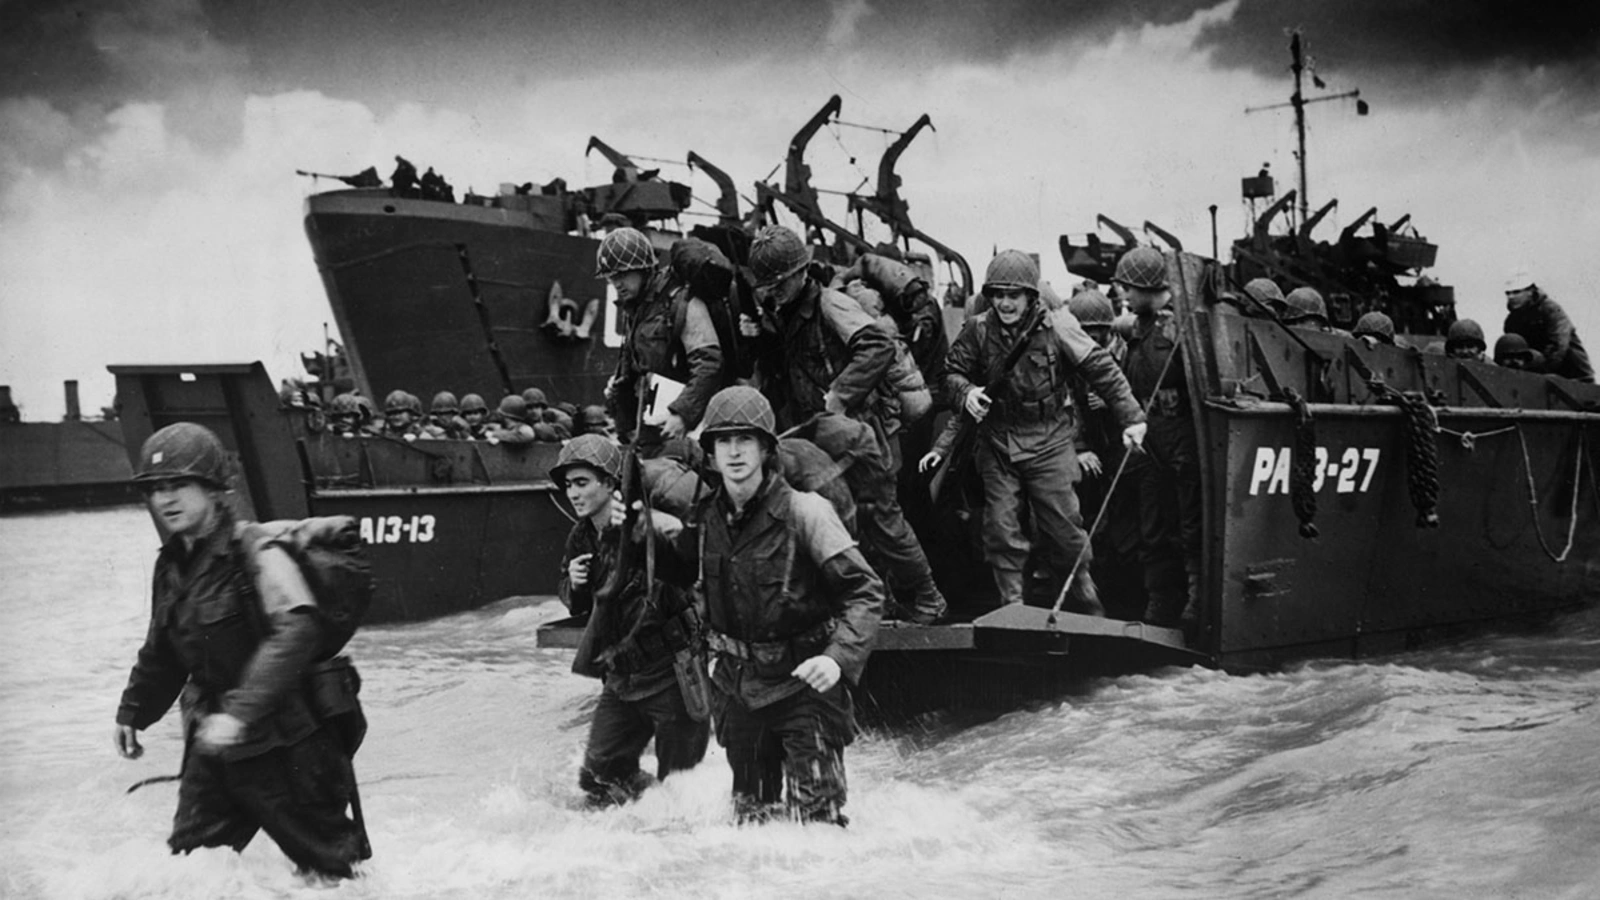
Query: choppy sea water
{"x": 1470, "y": 771}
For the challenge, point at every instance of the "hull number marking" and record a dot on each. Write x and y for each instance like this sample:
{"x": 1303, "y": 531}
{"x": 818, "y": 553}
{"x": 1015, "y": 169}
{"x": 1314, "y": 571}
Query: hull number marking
{"x": 396, "y": 529}
{"x": 1350, "y": 473}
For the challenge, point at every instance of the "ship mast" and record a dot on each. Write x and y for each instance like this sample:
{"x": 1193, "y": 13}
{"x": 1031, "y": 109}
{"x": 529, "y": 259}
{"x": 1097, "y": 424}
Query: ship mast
{"x": 1299, "y": 102}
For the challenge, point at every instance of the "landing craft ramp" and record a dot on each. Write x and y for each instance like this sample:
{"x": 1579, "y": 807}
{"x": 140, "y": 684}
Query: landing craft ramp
{"x": 1007, "y": 656}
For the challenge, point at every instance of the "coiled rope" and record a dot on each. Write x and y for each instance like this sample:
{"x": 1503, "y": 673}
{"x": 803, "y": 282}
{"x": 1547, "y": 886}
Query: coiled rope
{"x": 1303, "y": 470}
{"x": 1422, "y": 448}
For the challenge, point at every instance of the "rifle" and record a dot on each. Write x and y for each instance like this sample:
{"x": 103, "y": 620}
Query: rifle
{"x": 603, "y": 618}
{"x": 997, "y": 376}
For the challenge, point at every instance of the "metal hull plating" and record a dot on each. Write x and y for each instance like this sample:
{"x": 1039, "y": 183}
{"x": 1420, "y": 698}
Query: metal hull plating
{"x": 57, "y": 465}
{"x": 432, "y": 296}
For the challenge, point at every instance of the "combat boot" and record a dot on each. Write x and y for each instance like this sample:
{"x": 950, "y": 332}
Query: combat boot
{"x": 1084, "y": 597}
{"x": 930, "y": 607}
{"x": 1009, "y": 583}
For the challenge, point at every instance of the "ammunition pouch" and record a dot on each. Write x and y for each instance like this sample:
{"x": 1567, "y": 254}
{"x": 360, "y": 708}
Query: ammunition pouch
{"x": 773, "y": 659}
{"x": 1021, "y": 412}
{"x": 333, "y": 689}
{"x": 1169, "y": 403}
{"x": 640, "y": 651}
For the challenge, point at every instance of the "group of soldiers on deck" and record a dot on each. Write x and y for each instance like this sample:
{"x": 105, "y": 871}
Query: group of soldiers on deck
{"x": 522, "y": 418}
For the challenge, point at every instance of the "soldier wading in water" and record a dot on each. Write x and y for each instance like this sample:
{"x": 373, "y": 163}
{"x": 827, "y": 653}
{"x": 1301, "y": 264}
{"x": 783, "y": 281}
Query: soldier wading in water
{"x": 233, "y": 628}
{"x": 791, "y": 610}
{"x": 630, "y": 640}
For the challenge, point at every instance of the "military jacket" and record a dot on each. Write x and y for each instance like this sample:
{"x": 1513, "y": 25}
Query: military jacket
{"x": 829, "y": 344}
{"x": 1545, "y": 326}
{"x": 632, "y": 615}
{"x": 1031, "y": 411}
{"x": 1152, "y": 341}
{"x": 211, "y": 630}
{"x": 667, "y": 332}
{"x": 781, "y": 570}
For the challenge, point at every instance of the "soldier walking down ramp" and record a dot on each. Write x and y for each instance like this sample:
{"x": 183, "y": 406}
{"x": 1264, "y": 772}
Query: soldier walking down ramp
{"x": 235, "y": 628}
{"x": 1168, "y": 488}
{"x": 667, "y": 331}
{"x": 1011, "y": 370}
{"x": 834, "y": 360}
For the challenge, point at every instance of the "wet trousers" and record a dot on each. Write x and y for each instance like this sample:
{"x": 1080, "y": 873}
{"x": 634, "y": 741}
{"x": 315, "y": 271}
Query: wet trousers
{"x": 1168, "y": 490}
{"x": 621, "y": 729}
{"x": 296, "y": 794}
{"x": 795, "y": 743}
{"x": 1045, "y": 481}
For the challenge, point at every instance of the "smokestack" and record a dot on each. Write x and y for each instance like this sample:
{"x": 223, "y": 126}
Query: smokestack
{"x": 74, "y": 413}
{"x": 9, "y": 414}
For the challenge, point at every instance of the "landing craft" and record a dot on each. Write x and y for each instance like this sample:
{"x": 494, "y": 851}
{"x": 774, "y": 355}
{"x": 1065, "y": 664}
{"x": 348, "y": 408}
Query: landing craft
{"x": 1300, "y": 433}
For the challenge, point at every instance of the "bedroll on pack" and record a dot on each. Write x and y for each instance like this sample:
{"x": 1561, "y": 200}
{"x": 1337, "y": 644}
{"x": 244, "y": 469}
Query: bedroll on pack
{"x": 334, "y": 562}
{"x": 705, "y": 271}
{"x": 908, "y": 390}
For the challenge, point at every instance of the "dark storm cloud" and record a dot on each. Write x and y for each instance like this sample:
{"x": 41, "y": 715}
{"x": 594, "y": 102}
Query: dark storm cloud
{"x": 1404, "y": 36}
{"x": 46, "y": 51}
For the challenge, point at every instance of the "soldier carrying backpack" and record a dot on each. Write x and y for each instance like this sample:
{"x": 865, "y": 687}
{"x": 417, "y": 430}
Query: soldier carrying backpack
{"x": 244, "y": 620}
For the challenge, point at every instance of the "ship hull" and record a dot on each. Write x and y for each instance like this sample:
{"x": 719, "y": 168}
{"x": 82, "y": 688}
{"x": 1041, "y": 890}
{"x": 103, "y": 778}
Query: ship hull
{"x": 431, "y": 296}
{"x": 62, "y": 465}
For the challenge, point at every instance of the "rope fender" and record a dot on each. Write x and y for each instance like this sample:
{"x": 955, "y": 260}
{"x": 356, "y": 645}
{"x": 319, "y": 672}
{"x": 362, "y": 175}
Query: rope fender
{"x": 1422, "y": 449}
{"x": 1303, "y": 466}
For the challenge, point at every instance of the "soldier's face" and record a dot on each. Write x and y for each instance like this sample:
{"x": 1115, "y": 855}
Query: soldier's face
{"x": 1144, "y": 302}
{"x": 739, "y": 456}
{"x": 588, "y": 492}
{"x": 399, "y": 418}
{"x": 1010, "y": 304}
{"x": 779, "y": 293}
{"x": 1100, "y": 333}
{"x": 1519, "y": 298}
{"x": 186, "y": 506}
{"x": 629, "y": 285}
{"x": 1464, "y": 351}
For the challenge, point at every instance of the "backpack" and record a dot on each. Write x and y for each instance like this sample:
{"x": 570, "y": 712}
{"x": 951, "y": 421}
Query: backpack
{"x": 334, "y": 562}
{"x": 705, "y": 272}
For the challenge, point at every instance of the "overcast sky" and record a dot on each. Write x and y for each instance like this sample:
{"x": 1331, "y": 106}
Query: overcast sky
{"x": 149, "y": 210}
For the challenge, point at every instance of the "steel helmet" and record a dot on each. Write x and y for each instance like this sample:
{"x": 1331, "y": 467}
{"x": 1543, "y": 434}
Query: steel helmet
{"x": 402, "y": 401}
{"x": 1465, "y": 331}
{"x": 364, "y": 404}
{"x": 1142, "y": 267}
{"x": 1090, "y": 307}
{"x": 775, "y": 254}
{"x": 738, "y": 408}
{"x": 624, "y": 250}
{"x": 593, "y": 416}
{"x": 514, "y": 408}
{"x": 1305, "y": 303}
{"x": 1518, "y": 280}
{"x": 1375, "y": 324}
{"x": 444, "y": 403}
{"x": 1011, "y": 269}
{"x": 473, "y": 403}
{"x": 1510, "y": 345}
{"x": 184, "y": 450}
{"x": 534, "y": 397}
{"x": 346, "y": 404}
{"x": 1265, "y": 290}
{"x": 595, "y": 451}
